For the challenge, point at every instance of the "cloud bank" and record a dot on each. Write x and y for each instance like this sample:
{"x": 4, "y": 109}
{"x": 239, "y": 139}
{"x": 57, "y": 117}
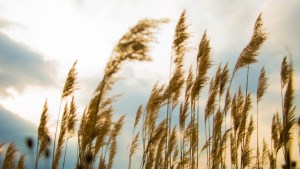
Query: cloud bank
{"x": 21, "y": 67}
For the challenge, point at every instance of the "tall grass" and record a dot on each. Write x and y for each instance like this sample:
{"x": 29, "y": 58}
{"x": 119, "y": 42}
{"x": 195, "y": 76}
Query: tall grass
{"x": 68, "y": 89}
{"x": 165, "y": 142}
{"x": 43, "y": 138}
{"x": 10, "y": 157}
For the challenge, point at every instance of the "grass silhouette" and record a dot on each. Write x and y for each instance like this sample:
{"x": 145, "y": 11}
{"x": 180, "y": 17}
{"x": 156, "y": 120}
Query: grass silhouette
{"x": 166, "y": 143}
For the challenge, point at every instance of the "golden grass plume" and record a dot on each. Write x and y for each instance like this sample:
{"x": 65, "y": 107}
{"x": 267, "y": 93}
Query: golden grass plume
{"x": 250, "y": 52}
{"x": 21, "y": 162}
{"x": 43, "y": 132}
{"x": 10, "y": 157}
{"x": 62, "y": 138}
{"x": 70, "y": 83}
{"x": 262, "y": 84}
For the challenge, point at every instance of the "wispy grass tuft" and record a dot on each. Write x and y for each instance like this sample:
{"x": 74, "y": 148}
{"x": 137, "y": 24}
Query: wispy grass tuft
{"x": 10, "y": 157}
{"x": 21, "y": 162}
{"x": 250, "y": 52}
{"x": 261, "y": 88}
{"x": 133, "y": 46}
{"x": 62, "y": 138}
{"x": 68, "y": 89}
{"x": 167, "y": 142}
{"x": 43, "y": 139}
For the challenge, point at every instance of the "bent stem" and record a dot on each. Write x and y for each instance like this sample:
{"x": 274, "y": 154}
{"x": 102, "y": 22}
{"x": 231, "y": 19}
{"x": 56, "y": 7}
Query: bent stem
{"x": 53, "y": 151}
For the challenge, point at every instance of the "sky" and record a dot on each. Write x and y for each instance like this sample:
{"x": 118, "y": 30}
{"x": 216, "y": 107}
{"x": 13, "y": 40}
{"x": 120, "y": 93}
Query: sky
{"x": 40, "y": 39}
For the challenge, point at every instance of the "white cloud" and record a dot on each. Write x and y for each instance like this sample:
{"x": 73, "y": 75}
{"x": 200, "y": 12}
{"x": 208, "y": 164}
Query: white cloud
{"x": 22, "y": 67}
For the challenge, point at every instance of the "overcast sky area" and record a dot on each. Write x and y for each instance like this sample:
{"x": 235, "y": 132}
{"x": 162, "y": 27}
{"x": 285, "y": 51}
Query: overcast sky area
{"x": 40, "y": 39}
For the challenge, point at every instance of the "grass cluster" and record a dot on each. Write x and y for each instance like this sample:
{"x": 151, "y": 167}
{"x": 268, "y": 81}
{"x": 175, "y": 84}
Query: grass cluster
{"x": 164, "y": 141}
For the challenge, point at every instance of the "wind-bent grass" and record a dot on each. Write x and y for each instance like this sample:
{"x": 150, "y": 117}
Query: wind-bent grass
{"x": 289, "y": 116}
{"x": 61, "y": 138}
{"x": 69, "y": 88}
{"x": 43, "y": 139}
{"x": 166, "y": 143}
{"x": 134, "y": 142}
{"x": 10, "y": 157}
{"x": 132, "y": 46}
{"x": 71, "y": 124}
{"x": 21, "y": 162}
{"x": 203, "y": 64}
{"x": 261, "y": 88}
{"x": 176, "y": 81}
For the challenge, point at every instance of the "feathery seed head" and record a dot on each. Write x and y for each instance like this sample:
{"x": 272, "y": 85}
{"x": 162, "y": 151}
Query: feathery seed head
{"x": 43, "y": 131}
{"x": 71, "y": 121}
{"x": 284, "y": 72}
{"x": 250, "y": 52}
{"x": 133, "y": 45}
{"x": 138, "y": 115}
{"x": 21, "y": 163}
{"x": 180, "y": 38}
{"x": 203, "y": 64}
{"x": 10, "y": 157}
{"x": 224, "y": 79}
{"x": 262, "y": 84}
{"x": 70, "y": 83}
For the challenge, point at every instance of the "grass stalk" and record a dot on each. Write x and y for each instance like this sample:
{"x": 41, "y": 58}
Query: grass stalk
{"x": 55, "y": 134}
{"x": 65, "y": 153}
